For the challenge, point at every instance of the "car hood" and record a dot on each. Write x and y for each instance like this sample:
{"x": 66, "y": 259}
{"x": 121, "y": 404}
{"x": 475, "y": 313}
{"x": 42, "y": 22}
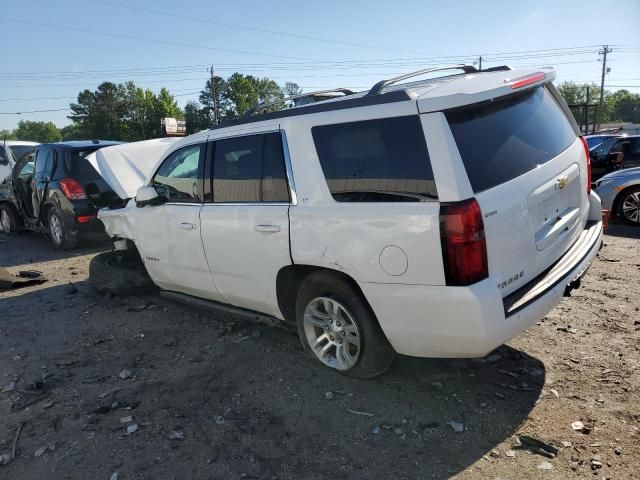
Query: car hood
{"x": 625, "y": 172}
{"x": 126, "y": 167}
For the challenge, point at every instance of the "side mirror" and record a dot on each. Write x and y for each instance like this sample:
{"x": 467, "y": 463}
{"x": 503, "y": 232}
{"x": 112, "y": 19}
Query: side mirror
{"x": 148, "y": 195}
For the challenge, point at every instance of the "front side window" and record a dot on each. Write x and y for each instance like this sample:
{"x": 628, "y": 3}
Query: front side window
{"x": 177, "y": 177}
{"x": 249, "y": 169}
{"x": 383, "y": 160}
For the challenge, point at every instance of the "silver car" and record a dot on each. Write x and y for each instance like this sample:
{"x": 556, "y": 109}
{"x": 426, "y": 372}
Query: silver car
{"x": 620, "y": 194}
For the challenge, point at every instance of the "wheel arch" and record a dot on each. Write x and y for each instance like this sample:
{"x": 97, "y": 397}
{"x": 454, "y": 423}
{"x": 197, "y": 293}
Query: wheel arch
{"x": 616, "y": 201}
{"x": 11, "y": 206}
{"x": 289, "y": 280}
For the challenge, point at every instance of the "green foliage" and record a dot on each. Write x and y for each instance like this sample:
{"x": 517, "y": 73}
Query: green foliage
{"x": 122, "y": 112}
{"x": 42, "y": 132}
{"x": 7, "y": 135}
{"x": 619, "y": 106}
{"x": 624, "y": 106}
{"x": 197, "y": 118}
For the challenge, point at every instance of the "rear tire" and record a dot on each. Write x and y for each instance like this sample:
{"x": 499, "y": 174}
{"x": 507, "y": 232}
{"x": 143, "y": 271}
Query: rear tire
{"x": 120, "y": 272}
{"x": 61, "y": 236}
{"x": 9, "y": 219}
{"x": 629, "y": 206}
{"x": 338, "y": 328}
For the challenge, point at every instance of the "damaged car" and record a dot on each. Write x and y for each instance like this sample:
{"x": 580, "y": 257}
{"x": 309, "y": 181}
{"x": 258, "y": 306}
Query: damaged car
{"x": 53, "y": 189}
{"x": 437, "y": 218}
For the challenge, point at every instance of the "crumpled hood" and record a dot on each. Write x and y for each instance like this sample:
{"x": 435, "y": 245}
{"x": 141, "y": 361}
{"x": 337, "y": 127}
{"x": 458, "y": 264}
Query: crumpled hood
{"x": 126, "y": 167}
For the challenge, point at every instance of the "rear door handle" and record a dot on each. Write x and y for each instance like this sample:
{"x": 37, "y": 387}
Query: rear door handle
{"x": 268, "y": 228}
{"x": 188, "y": 226}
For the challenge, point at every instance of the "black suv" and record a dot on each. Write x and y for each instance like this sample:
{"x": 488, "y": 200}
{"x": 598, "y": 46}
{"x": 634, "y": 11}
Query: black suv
{"x": 54, "y": 189}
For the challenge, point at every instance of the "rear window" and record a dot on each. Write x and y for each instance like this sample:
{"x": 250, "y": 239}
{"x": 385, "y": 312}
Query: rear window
{"x": 77, "y": 165}
{"x": 502, "y": 140}
{"x": 383, "y": 160}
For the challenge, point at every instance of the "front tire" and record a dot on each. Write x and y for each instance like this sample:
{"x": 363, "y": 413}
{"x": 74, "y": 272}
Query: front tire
{"x": 9, "y": 220}
{"x": 61, "y": 236}
{"x": 629, "y": 206}
{"x": 338, "y": 328}
{"x": 120, "y": 272}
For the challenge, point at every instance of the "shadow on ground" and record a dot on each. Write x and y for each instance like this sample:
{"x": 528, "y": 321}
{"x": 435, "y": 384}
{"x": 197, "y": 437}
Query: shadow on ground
{"x": 618, "y": 228}
{"x": 215, "y": 397}
{"x": 30, "y": 247}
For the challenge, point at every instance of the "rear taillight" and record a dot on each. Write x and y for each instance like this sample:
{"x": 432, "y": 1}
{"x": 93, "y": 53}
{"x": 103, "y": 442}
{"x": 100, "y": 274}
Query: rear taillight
{"x": 85, "y": 218}
{"x": 72, "y": 189}
{"x": 464, "y": 250}
{"x": 588, "y": 166}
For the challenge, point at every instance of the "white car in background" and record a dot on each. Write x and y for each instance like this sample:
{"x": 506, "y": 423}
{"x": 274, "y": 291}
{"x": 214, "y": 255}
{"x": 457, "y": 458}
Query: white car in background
{"x": 437, "y": 218}
{"x": 10, "y": 151}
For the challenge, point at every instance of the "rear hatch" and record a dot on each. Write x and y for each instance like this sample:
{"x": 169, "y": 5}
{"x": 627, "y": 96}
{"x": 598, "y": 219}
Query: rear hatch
{"x": 527, "y": 168}
{"x": 99, "y": 193}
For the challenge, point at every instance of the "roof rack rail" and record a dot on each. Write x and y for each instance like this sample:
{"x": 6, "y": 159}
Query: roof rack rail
{"x": 259, "y": 107}
{"x": 378, "y": 87}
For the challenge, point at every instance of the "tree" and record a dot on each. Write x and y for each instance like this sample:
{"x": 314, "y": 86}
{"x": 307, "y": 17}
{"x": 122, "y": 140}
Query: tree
{"x": 291, "y": 89}
{"x": 624, "y": 106}
{"x": 197, "y": 118}
{"x": 221, "y": 99}
{"x": 41, "y": 132}
{"x": 576, "y": 94}
{"x": 99, "y": 114}
{"x": 70, "y": 132}
{"x": 122, "y": 112}
{"x": 7, "y": 135}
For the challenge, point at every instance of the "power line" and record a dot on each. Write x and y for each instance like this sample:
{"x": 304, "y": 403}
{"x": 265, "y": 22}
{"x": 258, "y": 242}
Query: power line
{"x": 248, "y": 28}
{"x": 144, "y": 39}
{"x": 35, "y": 111}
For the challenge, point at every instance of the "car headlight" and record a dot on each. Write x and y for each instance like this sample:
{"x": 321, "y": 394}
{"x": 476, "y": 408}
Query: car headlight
{"x": 603, "y": 181}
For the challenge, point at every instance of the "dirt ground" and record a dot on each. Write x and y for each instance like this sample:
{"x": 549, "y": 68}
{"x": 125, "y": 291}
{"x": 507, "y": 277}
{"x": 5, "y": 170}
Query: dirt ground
{"x": 209, "y": 397}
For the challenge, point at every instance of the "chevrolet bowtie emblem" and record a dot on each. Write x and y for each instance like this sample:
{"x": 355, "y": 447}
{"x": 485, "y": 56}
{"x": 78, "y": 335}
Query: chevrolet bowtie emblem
{"x": 563, "y": 182}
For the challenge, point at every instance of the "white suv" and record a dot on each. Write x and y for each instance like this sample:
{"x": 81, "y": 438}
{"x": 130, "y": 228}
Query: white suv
{"x": 435, "y": 219}
{"x": 10, "y": 152}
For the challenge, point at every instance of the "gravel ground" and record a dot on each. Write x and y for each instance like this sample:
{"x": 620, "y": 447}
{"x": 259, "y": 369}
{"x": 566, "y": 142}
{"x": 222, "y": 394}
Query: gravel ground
{"x": 152, "y": 389}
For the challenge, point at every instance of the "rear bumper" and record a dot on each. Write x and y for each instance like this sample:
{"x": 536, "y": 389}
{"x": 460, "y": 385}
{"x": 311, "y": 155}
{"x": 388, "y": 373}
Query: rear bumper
{"x": 441, "y": 321}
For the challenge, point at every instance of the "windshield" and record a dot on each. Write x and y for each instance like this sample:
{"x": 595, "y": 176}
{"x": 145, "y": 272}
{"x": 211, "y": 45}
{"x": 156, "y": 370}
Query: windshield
{"x": 595, "y": 141}
{"x": 18, "y": 150}
{"x": 604, "y": 147}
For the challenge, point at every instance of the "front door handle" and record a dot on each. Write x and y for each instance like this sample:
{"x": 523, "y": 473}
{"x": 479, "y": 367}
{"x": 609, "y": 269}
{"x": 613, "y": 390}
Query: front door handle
{"x": 188, "y": 226}
{"x": 268, "y": 228}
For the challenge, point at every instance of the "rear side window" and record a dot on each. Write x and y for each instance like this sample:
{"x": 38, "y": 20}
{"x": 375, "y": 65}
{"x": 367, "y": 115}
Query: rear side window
{"x": 383, "y": 160}
{"x": 502, "y": 140}
{"x": 250, "y": 169}
{"x": 44, "y": 160}
{"x": 77, "y": 165}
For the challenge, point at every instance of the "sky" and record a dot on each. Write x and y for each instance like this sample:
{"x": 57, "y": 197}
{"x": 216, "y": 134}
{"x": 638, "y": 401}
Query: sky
{"x": 55, "y": 49}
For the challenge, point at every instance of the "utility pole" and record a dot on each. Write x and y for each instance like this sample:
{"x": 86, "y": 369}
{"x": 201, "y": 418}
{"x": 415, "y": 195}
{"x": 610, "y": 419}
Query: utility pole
{"x": 214, "y": 105}
{"x": 480, "y": 62}
{"x": 586, "y": 112}
{"x": 603, "y": 52}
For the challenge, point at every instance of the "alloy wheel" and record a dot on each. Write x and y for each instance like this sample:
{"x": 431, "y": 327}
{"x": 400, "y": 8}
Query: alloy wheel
{"x": 332, "y": 333}
{"x": 631, "y": 207}
{"x": 55, "y": 227}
